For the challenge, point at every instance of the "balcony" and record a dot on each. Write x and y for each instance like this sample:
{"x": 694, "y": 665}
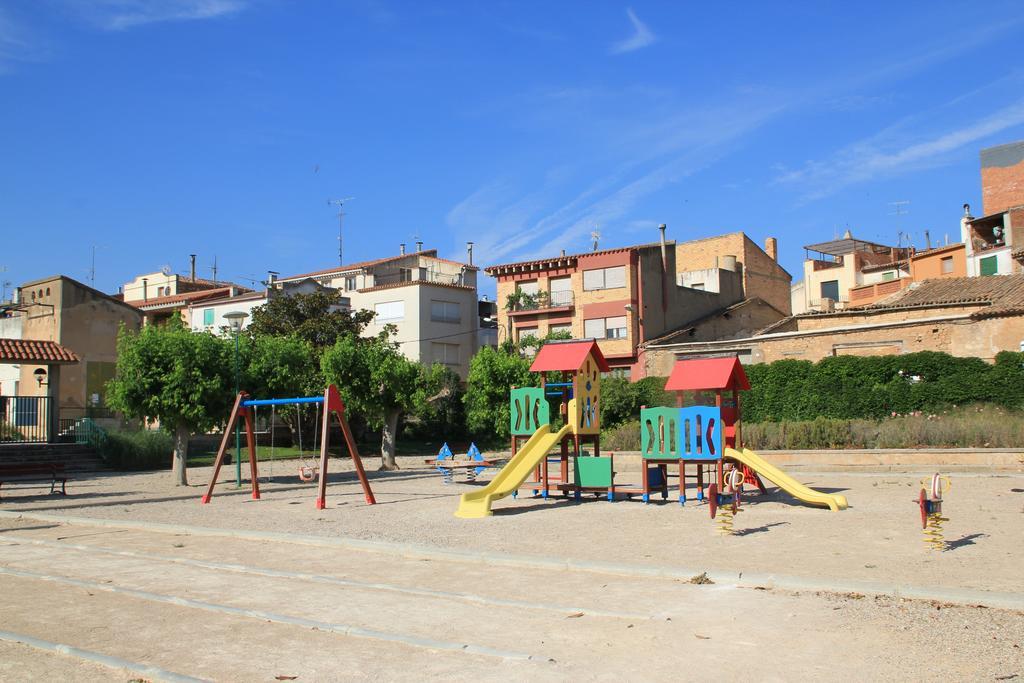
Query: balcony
{"x": 521, "y": 303}
{"x": 869, "y": 294}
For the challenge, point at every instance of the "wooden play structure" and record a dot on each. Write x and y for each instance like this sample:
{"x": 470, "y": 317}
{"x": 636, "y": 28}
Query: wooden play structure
{"x": 332, "y": 404}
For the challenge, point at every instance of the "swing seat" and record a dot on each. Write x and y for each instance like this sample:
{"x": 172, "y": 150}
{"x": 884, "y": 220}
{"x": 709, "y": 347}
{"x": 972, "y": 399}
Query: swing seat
{"x": 307, "y": 473}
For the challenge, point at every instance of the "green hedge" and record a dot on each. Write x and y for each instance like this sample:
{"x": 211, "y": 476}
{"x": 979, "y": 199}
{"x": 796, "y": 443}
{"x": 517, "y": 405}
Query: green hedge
{"x": 141, "y": 450}
{"x": 873, "y": 387}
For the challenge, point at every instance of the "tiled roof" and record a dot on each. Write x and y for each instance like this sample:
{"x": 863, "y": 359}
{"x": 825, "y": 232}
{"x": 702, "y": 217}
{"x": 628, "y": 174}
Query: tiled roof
{"x": 432, "y": 253}
{"x": 540, "y": 261}
{"x": 34, "y": 351}
{"x": 997, "y": 291}
{"x": 183, "y": 299}
{"x": 409, "y": 283}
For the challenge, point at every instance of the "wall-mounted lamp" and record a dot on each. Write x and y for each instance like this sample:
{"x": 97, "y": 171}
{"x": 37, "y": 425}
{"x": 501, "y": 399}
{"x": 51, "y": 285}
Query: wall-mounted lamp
{"x": 41, "y": 377}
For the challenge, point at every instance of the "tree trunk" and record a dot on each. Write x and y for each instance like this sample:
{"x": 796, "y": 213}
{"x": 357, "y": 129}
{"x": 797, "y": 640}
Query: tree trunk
{"x": 180, "y": 455}
{"x": 387, "y": 444}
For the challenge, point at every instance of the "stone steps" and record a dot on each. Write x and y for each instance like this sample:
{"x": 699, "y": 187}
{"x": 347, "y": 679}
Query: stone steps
{"x": 75, "y": 457}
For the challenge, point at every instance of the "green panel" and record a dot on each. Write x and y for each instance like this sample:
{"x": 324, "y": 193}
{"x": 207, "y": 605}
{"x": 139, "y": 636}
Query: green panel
{"x": 659, "y": 433}
{"x": 529, "y": 410}
{"x": 97, "y": 374}
{"x": 989, "y": 265}
{"x": 594, "y": 472}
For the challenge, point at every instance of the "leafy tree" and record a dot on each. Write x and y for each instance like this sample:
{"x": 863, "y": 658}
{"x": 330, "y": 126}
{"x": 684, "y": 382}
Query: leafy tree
{"x": 316, "y": 318}
{"x": 376, "y": 381}
{"x": 492, "y": 373}
{"x": 280, "y": 367}
{"x": 438, "y": 410}
{"x": 181, "y": 378}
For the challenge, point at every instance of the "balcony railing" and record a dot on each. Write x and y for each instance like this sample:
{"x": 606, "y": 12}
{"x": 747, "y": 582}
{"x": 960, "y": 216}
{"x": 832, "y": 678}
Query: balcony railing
{"x": 540, "y": 301}
{"x": 410, "y": 276}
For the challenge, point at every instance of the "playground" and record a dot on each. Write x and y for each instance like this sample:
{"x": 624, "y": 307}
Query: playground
{"x": 557, "y": 560}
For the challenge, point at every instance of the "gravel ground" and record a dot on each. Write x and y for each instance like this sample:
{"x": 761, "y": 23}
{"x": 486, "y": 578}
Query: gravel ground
{"x": 877, "y": 539}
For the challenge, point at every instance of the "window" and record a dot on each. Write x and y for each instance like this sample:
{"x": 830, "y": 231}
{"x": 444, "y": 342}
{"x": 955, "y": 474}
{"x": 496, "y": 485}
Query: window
{"x": 947, "y": 265}
{"x": 389, "y": 311}
{"x": 989, "y": 265}
{"x": 561, "y": 291}
{"x": 350, "y": 283}
{"x": 604, "y": 278}
{"x": 528, "y": 287}
{"x": 446, "y": 354}
{"x": 208, "y": 317}
{"x": 525, "y": 332}
{"x": 445, "y": 312}
{"x": 605, "y": 328}
{"x": 697, "y": 285}
{"x": 830, "y": 290}
{"x": 561, "y": 327}
{"x": 888, "y": 275}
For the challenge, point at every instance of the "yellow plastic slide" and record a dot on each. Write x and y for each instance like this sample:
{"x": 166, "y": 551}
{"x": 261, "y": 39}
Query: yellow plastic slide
{"x": 478, "y": 503}
{"x": 785, "y": 482}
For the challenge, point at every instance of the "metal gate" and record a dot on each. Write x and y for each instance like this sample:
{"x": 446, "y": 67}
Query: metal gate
{"x": 25, "y": 419}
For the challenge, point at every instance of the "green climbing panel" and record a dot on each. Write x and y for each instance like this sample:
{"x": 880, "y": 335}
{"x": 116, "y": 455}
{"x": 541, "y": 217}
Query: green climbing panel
{"x": 594, "y": 472}
{"x": 529, "y": 410}
{"x": 659, "y": 433}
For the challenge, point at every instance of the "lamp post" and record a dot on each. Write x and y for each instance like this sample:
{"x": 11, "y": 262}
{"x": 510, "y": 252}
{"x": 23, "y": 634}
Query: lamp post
{"x": 235, "y": 319}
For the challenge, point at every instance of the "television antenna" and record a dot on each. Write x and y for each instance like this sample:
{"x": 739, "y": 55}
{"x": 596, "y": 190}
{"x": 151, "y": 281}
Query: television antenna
{"x": 340, "y": 203}
{"x": 899, "y": 209}
{"x": 595, "y": 235}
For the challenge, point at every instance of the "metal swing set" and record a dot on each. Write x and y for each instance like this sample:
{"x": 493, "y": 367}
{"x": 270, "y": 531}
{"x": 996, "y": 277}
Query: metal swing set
{"x": 244, "y": 409}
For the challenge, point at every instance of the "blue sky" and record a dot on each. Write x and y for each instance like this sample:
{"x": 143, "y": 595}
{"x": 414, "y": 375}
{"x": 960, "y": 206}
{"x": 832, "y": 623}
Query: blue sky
{"x": 153, "y": 129}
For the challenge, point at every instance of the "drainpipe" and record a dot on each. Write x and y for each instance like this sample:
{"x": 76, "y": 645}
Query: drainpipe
{"x": 664, "y": 270}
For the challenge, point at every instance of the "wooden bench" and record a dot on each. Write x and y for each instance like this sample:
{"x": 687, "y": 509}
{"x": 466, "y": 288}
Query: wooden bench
{"x": 54, "y": 471}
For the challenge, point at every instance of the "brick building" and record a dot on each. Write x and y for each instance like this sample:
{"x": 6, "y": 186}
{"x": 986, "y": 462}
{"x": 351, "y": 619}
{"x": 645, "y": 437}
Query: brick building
{"x": 995, "y": 242}
{"x": 627, "y": 296}
{"x": 965, "y": 316}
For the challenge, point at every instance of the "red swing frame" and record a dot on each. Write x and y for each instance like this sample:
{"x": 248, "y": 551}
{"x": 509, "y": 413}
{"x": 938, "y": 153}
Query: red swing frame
{"x": 332, "y": 405}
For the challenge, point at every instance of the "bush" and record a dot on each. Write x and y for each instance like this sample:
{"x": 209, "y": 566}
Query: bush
{"x": 621, "y": 399}
{"x": 140, "y": 450}
{"x": 856, "y": 387}
{"x": 9, "y": 432}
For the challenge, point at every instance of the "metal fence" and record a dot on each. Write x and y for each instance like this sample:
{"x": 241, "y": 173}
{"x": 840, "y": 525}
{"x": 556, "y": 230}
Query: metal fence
{"x": 25, "y": 419}
{"x": 78, "y": 430}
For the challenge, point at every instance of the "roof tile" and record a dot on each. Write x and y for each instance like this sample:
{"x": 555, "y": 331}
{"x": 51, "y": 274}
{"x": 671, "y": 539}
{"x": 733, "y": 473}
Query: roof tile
{"x": 35, "y": 351}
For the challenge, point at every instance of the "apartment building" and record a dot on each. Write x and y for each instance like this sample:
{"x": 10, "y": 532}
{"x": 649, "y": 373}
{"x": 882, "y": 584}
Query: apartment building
{"x": 164, "y": 295}
{"x": 209, "y": 315}
{"x": 621, "y": 297}
{"x": 855, "y": 273}
{"x": 430, "y": 301}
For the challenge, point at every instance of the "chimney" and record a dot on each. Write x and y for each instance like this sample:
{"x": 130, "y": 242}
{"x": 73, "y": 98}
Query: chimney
{"x": 401, "y": 249}
{"x": 419, "y": 246}
{"x": 728, "y": 262}
{"x": 469, "y": 252}
{"x": 145, "y": 289}
{"x": 771, "y": 247}
{"x": 563, "y": 252}
{"x": 271, "y": 278}
{"x": 927, "y": 240}
{"x": 192, "y": 258}
{"x": 967, "y": 211}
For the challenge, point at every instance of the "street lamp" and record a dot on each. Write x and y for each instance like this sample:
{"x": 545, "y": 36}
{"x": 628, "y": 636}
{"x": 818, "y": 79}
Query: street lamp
{"x": 235, "y": 319}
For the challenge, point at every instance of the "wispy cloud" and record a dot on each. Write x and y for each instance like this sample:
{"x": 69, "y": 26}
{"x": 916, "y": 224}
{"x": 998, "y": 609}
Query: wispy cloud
{"x": 119, "y": 15}
{"x": 641, "y": 38}
{"x": 18, "y": 43}
{"x": 894, "y": 151}
{"x": 508, "y": 225}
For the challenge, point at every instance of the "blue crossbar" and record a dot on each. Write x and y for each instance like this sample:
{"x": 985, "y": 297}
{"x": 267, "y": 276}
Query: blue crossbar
{"x": 557, "y": 384}
{"x": 281, "y": 401}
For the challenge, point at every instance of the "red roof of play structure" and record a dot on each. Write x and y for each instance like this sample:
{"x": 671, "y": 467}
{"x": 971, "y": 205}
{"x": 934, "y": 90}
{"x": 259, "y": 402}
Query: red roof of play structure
{"x": 568, "y": 355}
{"x": 707, "y": 373}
